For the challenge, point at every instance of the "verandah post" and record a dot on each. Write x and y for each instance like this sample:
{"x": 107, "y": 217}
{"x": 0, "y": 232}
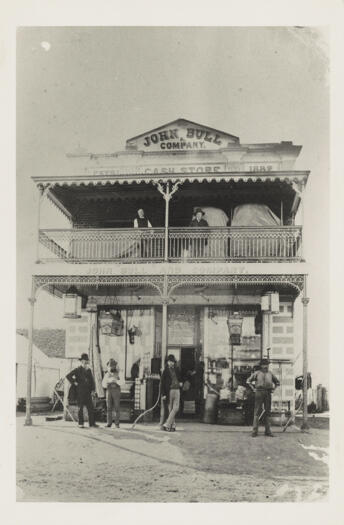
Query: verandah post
{"x": 305, "y": 301}
{"x": 167, "y": 204}
{"x": 32, "y": 300}
{"x": 164, "y": 341}
{"x": 41, "y": 190}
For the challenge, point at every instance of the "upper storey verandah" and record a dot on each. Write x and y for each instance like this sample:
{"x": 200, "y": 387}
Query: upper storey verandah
{"x": 169, "y": 172}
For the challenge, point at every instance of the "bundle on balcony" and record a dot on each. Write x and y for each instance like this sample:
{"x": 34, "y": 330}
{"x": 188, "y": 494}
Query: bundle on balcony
{"x": 261, "y": 241}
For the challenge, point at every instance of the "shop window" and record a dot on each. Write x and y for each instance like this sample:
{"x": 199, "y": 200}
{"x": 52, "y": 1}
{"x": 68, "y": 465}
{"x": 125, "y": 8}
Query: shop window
{"x": 139, "y": 347}
{"x": 219, "y": 353}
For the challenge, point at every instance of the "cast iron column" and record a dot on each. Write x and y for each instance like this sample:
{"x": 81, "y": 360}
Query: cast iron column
{"x": 164, "y": 328}
{"x": 167, "y": 209}
{"x": 41, "y": 189}
{"x": 167, "y": 193}
{"x": 164, "y": 343}
{"x": 28, "y": 419}
{"x": 305, "y": 301}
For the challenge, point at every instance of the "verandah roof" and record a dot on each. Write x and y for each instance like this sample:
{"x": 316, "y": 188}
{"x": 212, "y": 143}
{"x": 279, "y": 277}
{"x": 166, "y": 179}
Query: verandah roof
{"x": 132, "y": 176}
{"x": 114, "y": 204}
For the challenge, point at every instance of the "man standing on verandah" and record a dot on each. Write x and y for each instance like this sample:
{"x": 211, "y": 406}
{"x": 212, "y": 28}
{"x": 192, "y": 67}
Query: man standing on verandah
{"x": 141, "y": 221}
{"x": 198, "y": 244}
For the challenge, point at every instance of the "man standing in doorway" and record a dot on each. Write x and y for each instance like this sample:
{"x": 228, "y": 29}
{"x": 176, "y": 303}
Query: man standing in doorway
{"x": 170, "y": 391}
{"x": 82, "y": 378}
{"x": 262, "y": 382}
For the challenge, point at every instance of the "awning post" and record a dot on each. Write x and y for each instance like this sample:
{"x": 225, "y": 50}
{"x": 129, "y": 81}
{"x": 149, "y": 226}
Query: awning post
{"x": 28, "y": 418}
{"x": 41, "y": 189}
{"x": 305, "y": 301}
{"x": 164, "y": 335}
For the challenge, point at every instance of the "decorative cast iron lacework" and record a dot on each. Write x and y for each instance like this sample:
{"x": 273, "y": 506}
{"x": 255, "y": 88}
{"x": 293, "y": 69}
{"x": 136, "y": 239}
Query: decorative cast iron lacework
{"x": 295, "y": 281}
{"x": 130, "y": 245}
{"x": 49, "y": 281}
{"x": 173, "y": 281}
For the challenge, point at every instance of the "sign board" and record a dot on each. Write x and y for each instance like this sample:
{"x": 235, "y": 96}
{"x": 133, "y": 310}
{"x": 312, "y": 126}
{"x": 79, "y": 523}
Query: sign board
{"x": 188, "y": 169}
{"x": 181, "y": 135}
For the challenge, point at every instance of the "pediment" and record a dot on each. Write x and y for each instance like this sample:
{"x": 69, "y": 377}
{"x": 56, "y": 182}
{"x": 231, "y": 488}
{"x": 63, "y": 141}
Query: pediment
{"x": 181, "y": 135}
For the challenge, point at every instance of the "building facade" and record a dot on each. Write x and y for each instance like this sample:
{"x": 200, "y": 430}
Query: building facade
{"x": 219, "y": 295}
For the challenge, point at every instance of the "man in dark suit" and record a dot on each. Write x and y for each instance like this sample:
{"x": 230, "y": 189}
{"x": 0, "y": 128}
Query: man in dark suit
{"x": 170, "y": 391}
{"x": 82, "y": 378}
{"x": 199, "y": 242}
{"x": 141, "y": 221}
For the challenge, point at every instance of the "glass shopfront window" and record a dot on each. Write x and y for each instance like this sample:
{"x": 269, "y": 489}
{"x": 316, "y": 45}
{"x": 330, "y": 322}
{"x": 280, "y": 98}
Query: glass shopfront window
{"x": 227, "y": 365}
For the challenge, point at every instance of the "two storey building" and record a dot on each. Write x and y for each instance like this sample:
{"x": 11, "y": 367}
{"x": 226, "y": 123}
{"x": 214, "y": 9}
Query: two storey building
{"x": 219, "y": 295}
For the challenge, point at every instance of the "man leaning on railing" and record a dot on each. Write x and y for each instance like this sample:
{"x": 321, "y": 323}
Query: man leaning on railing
{"x": 141, "y": 221}
{"x": 198, "y": 244}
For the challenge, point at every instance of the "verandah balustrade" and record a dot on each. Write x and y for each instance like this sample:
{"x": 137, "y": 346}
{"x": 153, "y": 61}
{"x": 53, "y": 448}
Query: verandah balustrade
{"x": 184, "y": 244}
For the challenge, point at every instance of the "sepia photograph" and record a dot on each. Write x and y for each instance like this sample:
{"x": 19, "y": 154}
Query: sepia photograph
{"x": 173, "y": 214}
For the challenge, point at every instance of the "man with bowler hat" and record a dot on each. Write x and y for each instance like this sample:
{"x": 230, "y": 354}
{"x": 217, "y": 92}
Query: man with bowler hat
{"x": 82, "y": 378}
{"x": 170, "y": 391}
{"x": 262, "y": 382}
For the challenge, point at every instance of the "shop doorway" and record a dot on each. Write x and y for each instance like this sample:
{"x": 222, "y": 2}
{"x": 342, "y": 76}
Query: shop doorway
{"x": 187, "y": 359}
{"x": 189, "y": 371}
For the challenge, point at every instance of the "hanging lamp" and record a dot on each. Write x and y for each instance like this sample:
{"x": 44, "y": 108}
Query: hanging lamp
{"x": 235, "y": 321}
{"x": 72, "y": 302}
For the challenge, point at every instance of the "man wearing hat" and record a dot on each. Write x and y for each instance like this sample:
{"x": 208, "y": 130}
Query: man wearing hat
{"x": 198, "y": 220}
{"x": 198, "y": 244}
{"x": 170, "y": 391}
{"x": 112, "y": 383}
{"x": 262, "y": 382}
{"x": 82, "y": 378}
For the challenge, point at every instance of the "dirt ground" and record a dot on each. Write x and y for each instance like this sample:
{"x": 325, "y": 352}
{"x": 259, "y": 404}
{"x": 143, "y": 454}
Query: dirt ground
{"x": 57, "y": 461}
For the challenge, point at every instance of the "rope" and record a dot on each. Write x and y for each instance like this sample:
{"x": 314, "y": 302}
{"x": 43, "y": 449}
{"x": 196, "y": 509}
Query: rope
{"x": 65, "y": 406}
{"x": 293, "y": 415}
{"x": 149, "y": 410}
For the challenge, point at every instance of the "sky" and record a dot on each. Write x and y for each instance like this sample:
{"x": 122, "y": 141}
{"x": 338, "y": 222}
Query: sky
{"x": 92, "y": 88}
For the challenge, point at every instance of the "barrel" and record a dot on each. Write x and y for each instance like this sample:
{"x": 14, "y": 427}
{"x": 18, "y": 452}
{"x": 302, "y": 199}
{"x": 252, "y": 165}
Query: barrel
{"x": 210, "y": 409}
